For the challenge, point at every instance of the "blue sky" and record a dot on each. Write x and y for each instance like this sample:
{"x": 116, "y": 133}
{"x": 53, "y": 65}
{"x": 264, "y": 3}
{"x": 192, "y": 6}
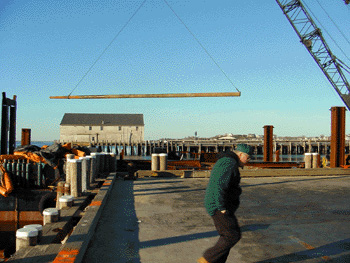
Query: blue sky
{"x": 47, "y": 46}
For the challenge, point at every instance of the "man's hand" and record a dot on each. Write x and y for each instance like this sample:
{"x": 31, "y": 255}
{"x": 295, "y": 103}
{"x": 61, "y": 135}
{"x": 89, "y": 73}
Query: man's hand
{"x": 223, "y": 211}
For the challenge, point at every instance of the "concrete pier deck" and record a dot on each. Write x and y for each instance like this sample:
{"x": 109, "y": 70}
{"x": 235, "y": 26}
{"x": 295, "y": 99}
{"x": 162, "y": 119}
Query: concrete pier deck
{"x": 283, "y": 219}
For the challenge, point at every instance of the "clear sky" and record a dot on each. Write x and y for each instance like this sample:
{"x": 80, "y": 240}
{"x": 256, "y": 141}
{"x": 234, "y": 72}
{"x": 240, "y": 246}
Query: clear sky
{"x": 47, "y": 46}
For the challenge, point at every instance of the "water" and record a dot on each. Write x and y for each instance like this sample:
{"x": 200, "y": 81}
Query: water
{"x": 255, "y": 158}
{"x": 283, "y": 158}
{"x": 37, "y": 143}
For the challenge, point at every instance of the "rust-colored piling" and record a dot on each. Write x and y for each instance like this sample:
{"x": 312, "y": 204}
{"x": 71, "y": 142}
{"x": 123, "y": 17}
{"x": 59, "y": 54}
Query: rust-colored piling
{"x": 26, "y": 137}
{"x": 26, "y": 237}
{"x": 337, "y": 137}
{"x": 268, "y": 143}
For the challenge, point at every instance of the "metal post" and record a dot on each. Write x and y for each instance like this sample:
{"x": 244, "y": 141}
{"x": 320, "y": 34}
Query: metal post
{"x": 26, "y": 137}
{"x": 268, "y": 143}
{"x": 28, "y": 167}
{"x": 337, "y": 137}
{"x": 8, "y": 125}
{"x": 40, "y": 174}
{"x": 23, "y": 173}
{"x": 19, "y": 172}
{"x": 4, "y": 125}
{"x": 13, "y": 170}
{"x": 12, "y": 137}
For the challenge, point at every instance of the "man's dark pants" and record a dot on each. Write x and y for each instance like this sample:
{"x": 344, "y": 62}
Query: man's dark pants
{"x": 230, "y": 233}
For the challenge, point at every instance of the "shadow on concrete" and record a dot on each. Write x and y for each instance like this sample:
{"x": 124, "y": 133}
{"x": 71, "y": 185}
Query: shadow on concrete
{"x": 116, "y": 238}
{"x": 292, "y": 181}
{"x": 163, "y": 188}
{"x": 177, "y": 239}
{"x": 190, "y": 237}
{"x": 153, "y": 181}
{"x": 332, "y": 249}
{"x": 172, "y": 192}
{"x": 254, "y": 227}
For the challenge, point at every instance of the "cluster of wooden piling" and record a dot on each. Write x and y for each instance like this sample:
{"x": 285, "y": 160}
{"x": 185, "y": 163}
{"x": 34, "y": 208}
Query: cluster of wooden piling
{"x": 80, "y": 175}
{"x": 193, "y": 147}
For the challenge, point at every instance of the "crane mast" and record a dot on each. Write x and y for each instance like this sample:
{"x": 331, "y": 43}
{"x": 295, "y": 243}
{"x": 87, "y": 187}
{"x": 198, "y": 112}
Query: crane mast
{"x": 311, "y": 36}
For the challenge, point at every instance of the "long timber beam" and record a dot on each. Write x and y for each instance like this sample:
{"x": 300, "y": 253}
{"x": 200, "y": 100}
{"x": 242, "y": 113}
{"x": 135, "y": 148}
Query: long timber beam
{"x": 167, "y": 95}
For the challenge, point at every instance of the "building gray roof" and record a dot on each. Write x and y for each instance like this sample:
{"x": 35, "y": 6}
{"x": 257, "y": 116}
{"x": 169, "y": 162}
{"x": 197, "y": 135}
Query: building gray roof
{"x": 90, "y": 119}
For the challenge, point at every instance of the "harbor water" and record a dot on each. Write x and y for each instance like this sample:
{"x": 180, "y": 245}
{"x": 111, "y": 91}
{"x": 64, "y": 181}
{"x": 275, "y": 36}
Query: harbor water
{"x": 255, "y": 158}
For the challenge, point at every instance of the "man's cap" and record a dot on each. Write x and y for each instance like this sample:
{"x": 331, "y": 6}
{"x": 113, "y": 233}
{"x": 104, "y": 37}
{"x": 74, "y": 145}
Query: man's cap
{"x": 245, "y": 148}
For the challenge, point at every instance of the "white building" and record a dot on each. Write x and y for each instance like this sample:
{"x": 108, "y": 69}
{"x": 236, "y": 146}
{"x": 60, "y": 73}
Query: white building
{"x": 102, "y": 128}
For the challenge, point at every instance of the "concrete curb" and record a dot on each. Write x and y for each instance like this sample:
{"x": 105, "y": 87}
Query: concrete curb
{"x": 75, "y": 247}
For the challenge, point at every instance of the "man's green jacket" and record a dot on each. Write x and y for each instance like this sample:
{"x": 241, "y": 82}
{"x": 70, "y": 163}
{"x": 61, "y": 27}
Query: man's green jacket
{"x": 223, "y": 189}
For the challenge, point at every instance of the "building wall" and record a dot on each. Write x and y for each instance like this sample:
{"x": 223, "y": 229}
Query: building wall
{"x": 102, "y": 134}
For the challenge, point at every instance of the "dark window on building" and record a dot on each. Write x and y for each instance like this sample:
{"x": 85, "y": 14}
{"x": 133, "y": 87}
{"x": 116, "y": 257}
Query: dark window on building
{"x": 137, "y": 128}
{"x": 101, "y": 128}
{"x": 120, "y": 128}
{"x": 90, "y": 128}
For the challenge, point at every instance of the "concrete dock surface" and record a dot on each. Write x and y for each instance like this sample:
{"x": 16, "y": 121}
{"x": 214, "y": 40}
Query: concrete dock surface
{"x": 283, "y": 219}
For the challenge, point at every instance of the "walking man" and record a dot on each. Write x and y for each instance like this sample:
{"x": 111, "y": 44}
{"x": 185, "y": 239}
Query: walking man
{"x": 222, "y": 200}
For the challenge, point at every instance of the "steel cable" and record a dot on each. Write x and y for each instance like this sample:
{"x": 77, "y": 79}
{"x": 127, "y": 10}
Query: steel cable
{"x": 201, "y": 45}
{"x": 104, "y": 51}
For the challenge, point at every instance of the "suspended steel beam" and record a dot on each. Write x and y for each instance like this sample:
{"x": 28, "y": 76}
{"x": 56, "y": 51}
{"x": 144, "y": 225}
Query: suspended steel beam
{"x": 167, "y": 95}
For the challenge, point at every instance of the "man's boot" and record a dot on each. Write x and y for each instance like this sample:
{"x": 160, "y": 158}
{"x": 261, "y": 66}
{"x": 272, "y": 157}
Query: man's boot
{"x": 202, "y": 260}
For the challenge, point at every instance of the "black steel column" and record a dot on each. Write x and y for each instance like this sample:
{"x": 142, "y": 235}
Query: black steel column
{"x": 337, "y": 137}
{"x": 268, "y": 143}
{"x": 4, "y": 125}
{"x": 8, "y": 125}
{"x": 12, "y": 137}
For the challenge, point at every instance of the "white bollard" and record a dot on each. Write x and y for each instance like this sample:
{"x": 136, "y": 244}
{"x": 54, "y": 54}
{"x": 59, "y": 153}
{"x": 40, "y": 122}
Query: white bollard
{"x": 84, "y": 174}
{"x": 26, "y": 237}
{"x": 155, "y": 162}
{"x": 37, "y": 227}
{"x": 308, "y": 160}
{"x": 97, "y": 164}
{"x": 51, "y": 215}
{"x": 163, "y": 161}
{"x": 93, "y": 168}
{"x": 68, "y": 164}
{"x": 75, "y": 177}
{"x": 315, "y": 158}
{"x": 66, "y": 201}
{"x": 88, "y": 170}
